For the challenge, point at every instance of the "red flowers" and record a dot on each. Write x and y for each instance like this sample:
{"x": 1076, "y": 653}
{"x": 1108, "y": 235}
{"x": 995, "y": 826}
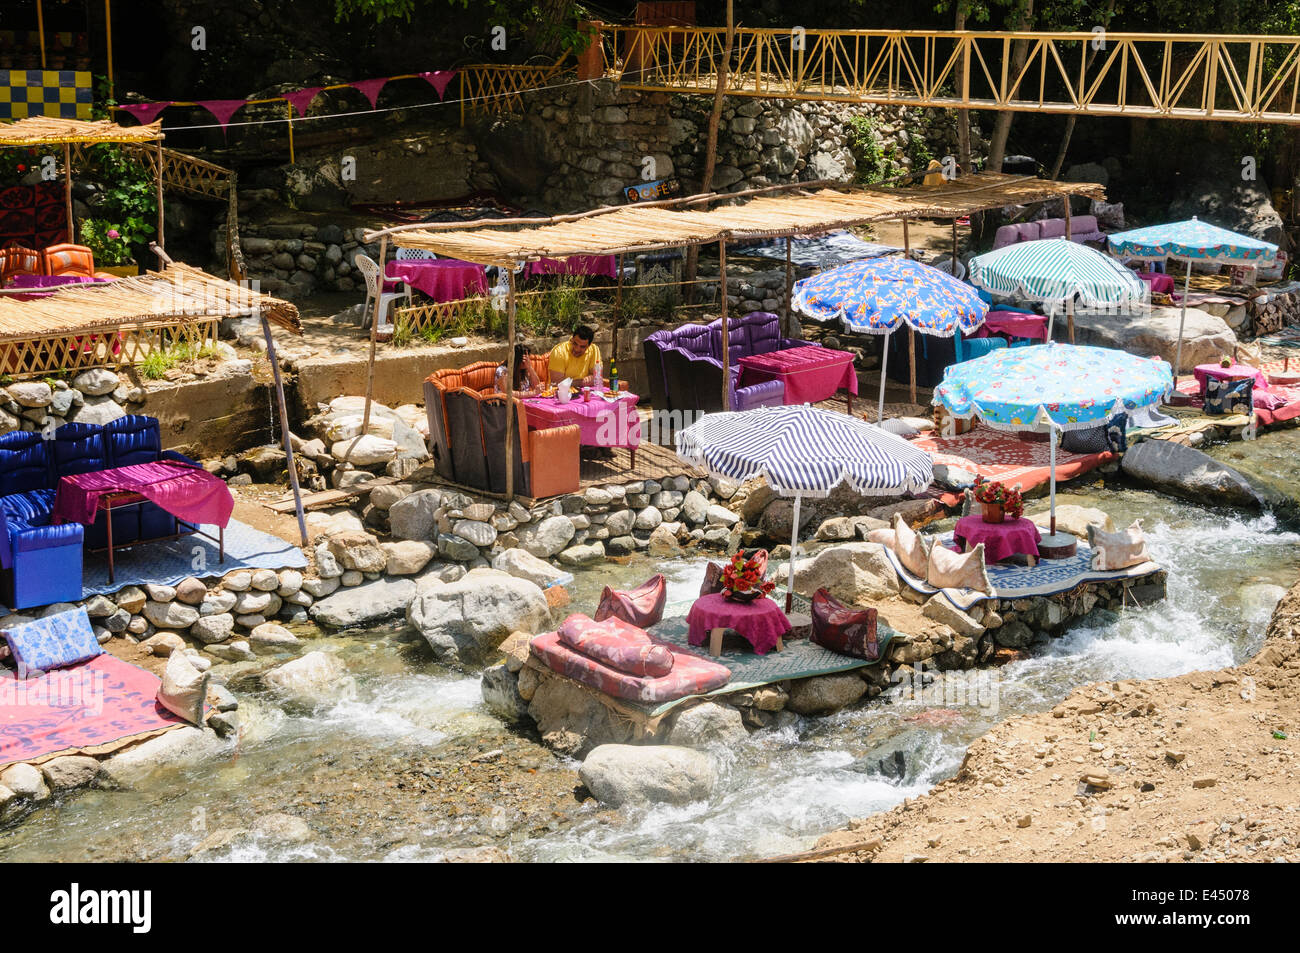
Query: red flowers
{"x": 996, "y": 494}
{"x": 742, "y": 575}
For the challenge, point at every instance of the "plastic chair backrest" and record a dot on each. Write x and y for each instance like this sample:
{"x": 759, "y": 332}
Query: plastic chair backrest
{"x": 370, "y": 271}
{"x": 415, "y": 254}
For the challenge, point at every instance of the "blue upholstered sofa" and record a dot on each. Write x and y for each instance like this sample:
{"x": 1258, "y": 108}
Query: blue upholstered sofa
{"x": 41, "y": 562}
{"x": 684, "y": 364}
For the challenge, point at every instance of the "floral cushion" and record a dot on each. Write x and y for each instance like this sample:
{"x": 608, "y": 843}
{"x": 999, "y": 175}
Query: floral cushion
{"x": 844, "y": 629}
{"x": 949, "y": 570}
{"x": 1119, "y": 550}
{"x": 909, "y": 547}
{"x": 56, "y": 641}
{"x": 642, "y": 606}
{"x": 616, "y": 643}
{"x": 690, "y": 675}
{"x": 1229, "y": 397}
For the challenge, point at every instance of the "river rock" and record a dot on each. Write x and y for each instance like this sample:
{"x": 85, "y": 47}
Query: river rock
{"x": 70, "y": 771}
{"x": 1206, "y": 338}
{"x": 96, "y": 382}
{"x": 97, "y": 410}
{"x": 620, "y": 523}
{"x": 170, "y": 615}
{"x": 273, "y": 636}
{"x": 500, "y": 688}
{"x": 132, "y": 599}
{"x": 1073, "y": 519}
{"x": 290, "y": 582}
{"x": 25, "y": 781}
{"x": 630, "y": 774}
{"x": 415, "y": 516}
{"x": 524, "y": 565}
{"x": 317, "y": 588}
{"x": 480, "y": 534}
{"x": 316, "y": 678}
{"x": 708, "y": 724}
{"x": 160, "y": 593}
{"x": 855, "y": 573}
{"x": 265, "y": 580}
{"x": 163, "y": 644}
{"x": 825, "y": 694}
{"x": 363, "y": 605}
{"x": 648, "y": 518}
{"x": 358, "y": 551}
{"x": 236, "y": 581}
{"x": 467, "y": 619}
{"x": 548, "y": 537}
{"x": 31, "y": 393}
{"x": 284, "y": 828}
{"x": 364, "y": 451}
{"x": 217, "y": 602}
{"x": 180, "y": 746}
{"x": 457, "y": 549}
{"x": 235, "y": 651}
{"x": 777, "y": 521}
{"x": 408, "y": 556}
{"x": 256, "y": 602}
{"x": 663, "y": 541}
{"x": 191, "y": 591}
{"x": 1188, "y": 473}
{"x": 941, "y": 610}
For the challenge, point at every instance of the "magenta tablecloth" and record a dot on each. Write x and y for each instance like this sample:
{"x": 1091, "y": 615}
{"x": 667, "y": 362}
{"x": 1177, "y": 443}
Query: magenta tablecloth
{"x": 1014, "y": 324}
{"x": 1160, "y": 284}
{"x": 1000, "y": 539}
{"x": 573, "y": 265}
{"x": 442, "y": 279}
{"x": 761, "y": 622}
{"x": 1203, "y": 373}
{"x": 601, "y": 423}
{"x": 810, "y": 373}
{"x": 43, "y": 285}
{"x": 190, "y": 493}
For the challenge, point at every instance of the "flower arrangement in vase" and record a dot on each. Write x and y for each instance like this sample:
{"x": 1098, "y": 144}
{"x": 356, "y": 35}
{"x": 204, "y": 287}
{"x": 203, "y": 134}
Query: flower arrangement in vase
{"x": 742, "y": 580}
{"x": 999, "y": 501}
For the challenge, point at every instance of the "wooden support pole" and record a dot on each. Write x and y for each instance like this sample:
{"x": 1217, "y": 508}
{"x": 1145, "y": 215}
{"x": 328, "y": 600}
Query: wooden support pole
{"x": 67, "y": 191}
{"x": 159, "y": 186}
{"x": 911, "y": 331}
{"x": 789, "y": 289}
{"x": 726, "y": 333}
{"x": 288, "y": 108}
{"x": 284, "y": 428}
{"x": 108, "y": 43}
{"x": 954, "y": 248}
{"x": 618, "y": 313}
{"x": 374, "y": 331}
{"x": 511, "y": 410}
{"x": 1069, "y": 233}
{"x": 40, "y": 36}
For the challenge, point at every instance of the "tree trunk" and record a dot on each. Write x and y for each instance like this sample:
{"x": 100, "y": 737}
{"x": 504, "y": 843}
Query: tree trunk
{"x": 1069, "y": 123}
{"x": 963, "y": 115}
{"x": 1002, "y": 128}
{"x": 711, "y": 148}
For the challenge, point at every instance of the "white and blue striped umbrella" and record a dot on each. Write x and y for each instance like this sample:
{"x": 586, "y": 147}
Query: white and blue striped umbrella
{"x": 1192, "y": 240}
{"x": 1054, "y": 271}
{"x": 803, "y": 451}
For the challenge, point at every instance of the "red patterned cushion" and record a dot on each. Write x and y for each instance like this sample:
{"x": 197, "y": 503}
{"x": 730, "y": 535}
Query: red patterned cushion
{"x": 642, "y": 606}
{"x": 844, "y": 629}
{"x": 691, "y": 675}
{"x": 616, "y": 643}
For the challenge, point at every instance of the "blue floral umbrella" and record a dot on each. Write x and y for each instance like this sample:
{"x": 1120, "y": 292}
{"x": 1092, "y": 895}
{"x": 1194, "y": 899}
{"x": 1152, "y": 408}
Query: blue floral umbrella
{"x": 878, "y": 295}
{"x": 1051, "y": 387}
{"x": 1190, "y": 241}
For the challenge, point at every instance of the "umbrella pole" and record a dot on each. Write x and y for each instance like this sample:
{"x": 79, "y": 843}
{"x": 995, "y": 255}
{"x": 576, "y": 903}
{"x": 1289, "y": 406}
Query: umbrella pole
{"x": 911, "y": 358}
{"x": 884, "y": 362}
{"x": 1069, "y": 314}
{"x": 1051, "y": 438}
{"x": 1182, "y": 316}
{"x": 794, "y": 545}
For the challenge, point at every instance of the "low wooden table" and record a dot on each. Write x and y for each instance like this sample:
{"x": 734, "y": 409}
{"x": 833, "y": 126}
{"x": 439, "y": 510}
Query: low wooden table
{"x": 1001, "y": 540}
{"x": 761, "y": 622}
{"x": 123, "y": 498}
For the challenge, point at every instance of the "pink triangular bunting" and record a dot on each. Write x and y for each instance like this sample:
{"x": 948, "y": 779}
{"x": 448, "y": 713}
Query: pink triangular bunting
{"x": 146, "y": 112}
{"x": 370, "y": 88}
{"x": 439, "y": 78}
{"x": 223, "y": 109}
{"x": 302, "y": 98}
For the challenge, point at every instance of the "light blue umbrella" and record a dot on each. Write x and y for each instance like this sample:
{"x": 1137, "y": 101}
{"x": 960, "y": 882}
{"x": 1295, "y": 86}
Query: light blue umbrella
{"x": 1190, "y": 241}
{"x": 1057, "y": 272}
{"x": 879, "y": 295}
{"x": 1052, "y": 387}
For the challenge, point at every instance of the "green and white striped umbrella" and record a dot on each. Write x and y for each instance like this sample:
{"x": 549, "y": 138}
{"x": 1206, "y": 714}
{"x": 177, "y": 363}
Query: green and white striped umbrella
{"x": 1057, "y": 271}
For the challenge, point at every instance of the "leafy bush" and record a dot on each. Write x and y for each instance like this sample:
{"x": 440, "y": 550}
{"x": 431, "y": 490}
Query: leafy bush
{"x": 106, "y": 241}
{"x": 864, "y": 143}
{"x": 129, "y": 199}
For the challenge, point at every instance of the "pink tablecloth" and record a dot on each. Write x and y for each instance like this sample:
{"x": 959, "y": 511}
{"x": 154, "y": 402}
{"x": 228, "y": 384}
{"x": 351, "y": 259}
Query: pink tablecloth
{"x": 1000, "y": 539}
{"x": 442, "y": 279}
{"x": 601, "y": 423}
{"x": 44, "y": 285}
{"x": 1160, "y": 284}
{"x": 1203, "y": 373}
{"x": 1014, "y": 324}
{"x": 810, "y": 373}
{"x": 190, "y": 493}
{"x": 761, "y": 622}
{"x": 573, "y": 265}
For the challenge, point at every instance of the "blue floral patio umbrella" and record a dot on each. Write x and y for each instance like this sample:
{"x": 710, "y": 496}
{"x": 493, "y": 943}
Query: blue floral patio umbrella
{"x": 1190, "y": 241}
{"x": 1052, "y": 387}
{"x": 879, "y": 295}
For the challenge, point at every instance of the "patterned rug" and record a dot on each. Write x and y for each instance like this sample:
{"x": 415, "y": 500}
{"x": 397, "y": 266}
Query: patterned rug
{"x": 799, "y": 659}
{"x": 167, "y": 563}
{"x": 1000, "y": 456}
{"x": 1011, "y": 581}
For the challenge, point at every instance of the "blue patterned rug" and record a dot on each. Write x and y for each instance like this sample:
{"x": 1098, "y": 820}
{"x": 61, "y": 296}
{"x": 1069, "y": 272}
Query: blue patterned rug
{"x": 799, "y": 659}
{"x": 1011, "y": 581}
{"x": 167, "y": 563}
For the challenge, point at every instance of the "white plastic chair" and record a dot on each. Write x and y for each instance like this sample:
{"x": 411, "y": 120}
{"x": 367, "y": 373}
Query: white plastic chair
{"x": 415, "y": 254}
{"x": 374, "y": 286}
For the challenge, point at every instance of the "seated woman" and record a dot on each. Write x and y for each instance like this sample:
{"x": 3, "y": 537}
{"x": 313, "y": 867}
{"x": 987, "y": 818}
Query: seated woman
{"x": 526, "y": 380}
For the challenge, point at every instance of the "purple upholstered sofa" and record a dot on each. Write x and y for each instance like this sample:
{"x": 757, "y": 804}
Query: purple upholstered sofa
{"x": 1083, "y": 228}
{"x": 685, "y": 364}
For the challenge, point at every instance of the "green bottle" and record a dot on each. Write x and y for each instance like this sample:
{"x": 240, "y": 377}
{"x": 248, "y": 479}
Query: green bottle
{"x": 613, "y": 377}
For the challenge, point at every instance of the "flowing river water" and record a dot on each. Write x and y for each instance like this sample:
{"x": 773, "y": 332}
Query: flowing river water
{"x": 415, "y": 765}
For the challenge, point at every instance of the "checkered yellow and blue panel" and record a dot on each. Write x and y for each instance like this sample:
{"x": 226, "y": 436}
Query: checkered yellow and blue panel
{"x": 58, "y": 94}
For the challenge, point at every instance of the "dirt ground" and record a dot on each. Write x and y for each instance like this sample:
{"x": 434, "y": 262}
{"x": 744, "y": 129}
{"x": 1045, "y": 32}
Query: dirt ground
{"x": 1202, "y": 767}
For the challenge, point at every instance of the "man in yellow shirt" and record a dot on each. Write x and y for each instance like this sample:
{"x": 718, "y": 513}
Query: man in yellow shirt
{"x": 576, "y": 358}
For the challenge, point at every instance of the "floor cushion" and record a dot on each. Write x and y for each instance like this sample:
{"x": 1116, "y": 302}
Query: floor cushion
{"x": 690, "y": 675}
{"x": 55, "y": 641}
{"x": 950, "y": 570}
{"x": 642, "y": 606}
{"x": 909, "y": 547}
{"x": 1111, "y": 551}
{"x": 616, "y": 643}
{"x": 844, "y": 629}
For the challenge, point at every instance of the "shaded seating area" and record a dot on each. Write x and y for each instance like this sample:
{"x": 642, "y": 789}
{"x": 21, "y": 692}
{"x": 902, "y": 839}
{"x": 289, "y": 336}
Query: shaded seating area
{"x": 1082, "y": 228}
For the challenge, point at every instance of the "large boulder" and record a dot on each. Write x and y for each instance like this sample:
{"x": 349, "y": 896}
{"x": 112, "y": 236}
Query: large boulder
{"x": 524, "y": 565}
{"x": 180, "y": 746}
{"x": 364, "y": 605}
{"x": 1188, "y": 473}
{"x": 629, "y": 774}
{"x": 358, "y": 551}
{"x": 1206, "y": 338}
{"x": 414, "y": 516}
{"x": 708, "y": 724}
{"x": 855, "y": 573}
{"x": 1232, "y": 202}
{"x": 467, "y": 619}
{"x": 316, "y": 678}
{"x": 548, "y": 537}
{"x": 569, "y": 716}
{"x": 825, "y": 694}
{"x": 1073, "y": 519}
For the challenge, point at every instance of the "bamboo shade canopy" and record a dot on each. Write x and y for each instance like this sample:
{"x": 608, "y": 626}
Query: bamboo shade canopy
{"x": 626, "y": 229}
{"x": 45, "y": 131}
{"x": 179, "y": 291}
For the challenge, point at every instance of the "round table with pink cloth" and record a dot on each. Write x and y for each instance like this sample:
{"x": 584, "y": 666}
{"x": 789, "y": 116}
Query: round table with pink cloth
{"x": 1001, "y": 540}
{"x": 1235, "y": 372}
{"x": 761, "y": 622}
{"x": 601, "y": 422}
{"x": 442, "y": 279}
